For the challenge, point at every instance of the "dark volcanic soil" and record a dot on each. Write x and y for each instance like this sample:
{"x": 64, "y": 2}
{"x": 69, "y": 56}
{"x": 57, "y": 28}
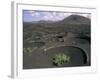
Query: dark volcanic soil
{"x": 43, "y": 40}
{"x": 44, "y": 59}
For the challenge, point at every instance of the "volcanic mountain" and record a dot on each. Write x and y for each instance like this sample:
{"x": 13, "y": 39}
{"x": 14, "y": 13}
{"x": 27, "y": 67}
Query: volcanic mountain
{"x": 76, "y": 19}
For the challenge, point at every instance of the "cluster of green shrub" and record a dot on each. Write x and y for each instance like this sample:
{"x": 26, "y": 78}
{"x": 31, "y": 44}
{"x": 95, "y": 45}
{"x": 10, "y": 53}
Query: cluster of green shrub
{"x": 29, "y": 49}
{"x": 61, "y": 58}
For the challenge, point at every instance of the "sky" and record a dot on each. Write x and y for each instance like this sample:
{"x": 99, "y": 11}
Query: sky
{"x": 31, "y": 15}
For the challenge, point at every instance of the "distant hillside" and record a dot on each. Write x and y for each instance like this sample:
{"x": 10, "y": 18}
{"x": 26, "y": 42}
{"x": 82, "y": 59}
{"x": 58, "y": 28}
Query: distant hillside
{"x": 76, "y": 19}
{"x": 72, "y": 19}
{"x": 73, "y": 23}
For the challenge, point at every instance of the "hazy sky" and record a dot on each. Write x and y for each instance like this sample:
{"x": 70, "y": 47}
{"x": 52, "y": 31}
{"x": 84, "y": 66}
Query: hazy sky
{"x": 29, "y": 16}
